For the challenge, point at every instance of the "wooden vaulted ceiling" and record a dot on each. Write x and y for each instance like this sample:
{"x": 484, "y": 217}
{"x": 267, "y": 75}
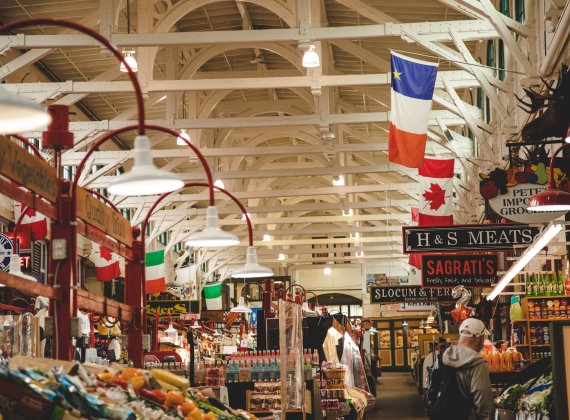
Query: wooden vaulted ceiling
{"x": 296, "y": 216}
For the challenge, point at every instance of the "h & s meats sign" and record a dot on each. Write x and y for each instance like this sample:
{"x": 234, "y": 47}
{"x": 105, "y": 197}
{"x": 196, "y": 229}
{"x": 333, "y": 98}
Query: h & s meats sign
{"x": 448, "y": 270}
{"x": 491, "y": 237}
{"x": 388, "y": 294}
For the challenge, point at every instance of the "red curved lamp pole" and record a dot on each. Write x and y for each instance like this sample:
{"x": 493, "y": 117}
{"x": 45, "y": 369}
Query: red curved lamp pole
{"x": 297, "y": 297}
{"x": 88, "y": 31}
{"x": 551, "y": 181}
{"x": 162, "y": 197}
{"x": 29, "y": 144}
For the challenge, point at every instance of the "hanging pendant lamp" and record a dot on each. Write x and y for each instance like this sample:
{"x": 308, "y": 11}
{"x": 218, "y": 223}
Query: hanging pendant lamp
{"x": 252, "y": 269}
{"x": 18, "y": 114}
{"x": 212, "y": 235}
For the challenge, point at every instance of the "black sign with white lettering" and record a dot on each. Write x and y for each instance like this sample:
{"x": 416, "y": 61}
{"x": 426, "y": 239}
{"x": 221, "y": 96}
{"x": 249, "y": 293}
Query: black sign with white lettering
{"x": 386, "y": 294}
{"x": 448, "y": 270}
{"x": 495, "y": 237}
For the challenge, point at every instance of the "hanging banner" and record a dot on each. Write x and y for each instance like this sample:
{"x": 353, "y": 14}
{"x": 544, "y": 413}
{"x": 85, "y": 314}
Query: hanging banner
{"x": 489, "y": 237}
{"x": 388, "y": 294}
{"x": 103, "y": 217}
{"x": 447, "y": 270}
{"x": 19, "y": 165}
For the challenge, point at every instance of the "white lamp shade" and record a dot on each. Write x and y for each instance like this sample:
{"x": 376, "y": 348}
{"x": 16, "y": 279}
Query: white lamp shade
{"x": 130, "y": 61}
{"x": 18, "y": 114}
{"x": 212, "y": 235}
{"x": 180, "y": 139}
{"x": 404, "y": 324}
{"x": 311, "y": 58}
{"x": 144, "y": 178}
{"x": 252, "y": 269}
{"x": 241, "y": 308}
{"x": 16, "y": 270}
{"x": 219, "y": 183}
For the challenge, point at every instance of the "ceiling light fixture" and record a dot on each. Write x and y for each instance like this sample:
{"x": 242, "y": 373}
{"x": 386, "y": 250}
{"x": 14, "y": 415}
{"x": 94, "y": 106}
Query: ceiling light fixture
{"x": 130, "y": 60}
{"x": 355, "y": 235}
{"x": 212, "y": 235}
{"x": 180, "y": 140}
{"x": 252, "y": 269}
{"x": 347, "y": 213}
{"x": 540, "y": 242}
{"x": 266, "y": 238}
{"x": 311, "y": 58}
{"x": 551, "y": 199}
{"x": 18, "y": 114}
{"x": 219, "y": 183}
{"x": 281, "y": 257}
{"x": 243, "y": 217}
{"x": 144, "y": 178}
{"x": 241, "y": 307}
{"x": 328, "y": 271}
{"x": 328, "y": 136}
{"x": 359, "y": 253}
{"x": 338, "y": 180}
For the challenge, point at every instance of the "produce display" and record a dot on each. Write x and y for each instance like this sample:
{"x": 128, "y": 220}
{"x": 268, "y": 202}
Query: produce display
{"x": 39, "y": 388}
{"x": 532, "y": 399}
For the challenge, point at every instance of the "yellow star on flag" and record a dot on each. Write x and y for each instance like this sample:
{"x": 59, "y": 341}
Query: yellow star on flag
{"x": 397, "y": 74}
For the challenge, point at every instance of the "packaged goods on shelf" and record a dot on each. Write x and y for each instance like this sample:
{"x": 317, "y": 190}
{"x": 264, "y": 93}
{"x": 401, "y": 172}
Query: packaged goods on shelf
{"x": 43, "y": 388}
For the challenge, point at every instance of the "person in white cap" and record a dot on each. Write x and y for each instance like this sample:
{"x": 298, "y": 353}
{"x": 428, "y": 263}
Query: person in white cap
{"x": 471, "y": 369}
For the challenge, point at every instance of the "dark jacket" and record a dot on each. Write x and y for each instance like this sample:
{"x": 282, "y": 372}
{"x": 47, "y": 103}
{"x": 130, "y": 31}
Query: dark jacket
{"x": 473, "y": 380}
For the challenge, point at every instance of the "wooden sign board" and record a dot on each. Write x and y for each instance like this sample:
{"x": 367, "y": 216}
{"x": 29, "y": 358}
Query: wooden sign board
{"x": 450, "y": 270}
{"x": 28, "y": 170}
{"x": 403, "y": 294}
{"x": 491, "y": 237}
{"x": 103, "y": 217}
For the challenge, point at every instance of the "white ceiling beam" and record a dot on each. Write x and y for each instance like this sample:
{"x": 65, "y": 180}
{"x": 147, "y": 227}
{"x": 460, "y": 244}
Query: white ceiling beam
{"x": 286, "y": 121}
{"x": 368, "y": 11}
{"x": 459, "y": 79}
{"x": 470, "y": 29}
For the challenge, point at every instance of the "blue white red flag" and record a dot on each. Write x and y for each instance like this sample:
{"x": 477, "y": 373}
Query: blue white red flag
{"x": 413, "y": 83}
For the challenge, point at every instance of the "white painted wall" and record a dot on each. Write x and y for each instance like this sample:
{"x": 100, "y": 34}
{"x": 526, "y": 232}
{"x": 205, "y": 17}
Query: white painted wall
{"x": 341, "y": 280}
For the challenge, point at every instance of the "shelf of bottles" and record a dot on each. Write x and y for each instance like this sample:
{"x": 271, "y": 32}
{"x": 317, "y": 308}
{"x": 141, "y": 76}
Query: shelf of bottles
{"x": 546, "y": 300}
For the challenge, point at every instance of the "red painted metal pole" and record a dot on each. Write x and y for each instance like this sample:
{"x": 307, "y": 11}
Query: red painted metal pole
{"x": 135, "y": 297}
{"x": 65, "y": 309}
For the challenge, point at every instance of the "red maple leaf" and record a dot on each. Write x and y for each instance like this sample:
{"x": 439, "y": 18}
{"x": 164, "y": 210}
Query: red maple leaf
{"x": 31, "y": 213}
{"x": 105, "y": 253}
{"x": 436, "y": 196}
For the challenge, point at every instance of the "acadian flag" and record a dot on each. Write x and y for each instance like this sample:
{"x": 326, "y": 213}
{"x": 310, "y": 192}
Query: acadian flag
{"x": 106, "y": 263}
{"x": 413, "y": 83}
{"x": 155, "y": 281}
{"x": 213, "y": 295}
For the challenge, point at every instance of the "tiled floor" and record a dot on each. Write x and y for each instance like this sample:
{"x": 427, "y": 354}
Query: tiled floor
{"x": 397, "y": 398}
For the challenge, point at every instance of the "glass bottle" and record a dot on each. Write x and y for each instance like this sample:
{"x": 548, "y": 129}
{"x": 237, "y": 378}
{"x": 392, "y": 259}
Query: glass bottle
{"x": 560, "y": 284}
{"x": 529, "y": 286}
{"x": 540, "y": 280}
{"x": 549, "y": 288}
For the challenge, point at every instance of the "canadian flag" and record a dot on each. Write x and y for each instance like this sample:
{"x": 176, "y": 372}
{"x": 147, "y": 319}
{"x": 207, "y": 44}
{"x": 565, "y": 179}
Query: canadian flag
{"x": 33, "y": 222}
{"x": 436, "y": 196}
{"x": 106, "y": 263}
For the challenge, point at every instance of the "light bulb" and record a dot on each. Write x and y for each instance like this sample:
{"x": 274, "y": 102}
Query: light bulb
{"x": 281, "y": 257}
{"x": 338, "y": 181}
{"x": 219, "y": 183}
{"x": 347, "y": 213}
{"x": 243, "y": 216}
{"x": 266, "y": 238}
{"x": 328, "y": 271}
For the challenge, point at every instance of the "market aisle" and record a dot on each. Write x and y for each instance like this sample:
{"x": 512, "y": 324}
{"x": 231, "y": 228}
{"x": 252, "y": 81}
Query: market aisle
{"x": 397, "y": 398}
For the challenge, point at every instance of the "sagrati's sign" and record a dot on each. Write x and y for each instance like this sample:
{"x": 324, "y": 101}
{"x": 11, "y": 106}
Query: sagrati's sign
{"x": 448, "y": 270}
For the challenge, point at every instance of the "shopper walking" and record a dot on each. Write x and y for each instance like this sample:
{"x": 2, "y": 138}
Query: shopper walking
{"x": 471, "y": 369}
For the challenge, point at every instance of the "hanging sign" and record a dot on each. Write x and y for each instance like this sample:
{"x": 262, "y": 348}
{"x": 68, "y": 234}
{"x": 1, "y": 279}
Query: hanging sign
{"x": 28, "y": 170}
{"x": 103, "y": 217}
{"x": 447, "y": 270}
{"x": 6, "y": 248}
{"x": 508, "y": 191}
{"x": 490, "y": 237}
{"x": 165, "y": 307}
{"x": 387, "y": 294}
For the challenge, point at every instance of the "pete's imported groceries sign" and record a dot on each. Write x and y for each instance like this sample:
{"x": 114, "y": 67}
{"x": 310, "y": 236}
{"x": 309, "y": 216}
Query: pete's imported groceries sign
{"x": 387, "y": 294}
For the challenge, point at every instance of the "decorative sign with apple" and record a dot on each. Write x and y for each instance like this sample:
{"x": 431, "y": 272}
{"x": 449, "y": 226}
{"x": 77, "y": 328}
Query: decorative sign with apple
{"x": 508, "y": 191}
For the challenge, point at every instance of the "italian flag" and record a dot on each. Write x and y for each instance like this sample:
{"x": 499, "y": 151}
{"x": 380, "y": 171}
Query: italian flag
{"x": 213, "y": 295}
{"x": 155, "y": 281}
{"x": 106, "y": 263}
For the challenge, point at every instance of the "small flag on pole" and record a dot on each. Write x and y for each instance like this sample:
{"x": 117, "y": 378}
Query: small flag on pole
{"x": 155, "y": 281}
{"x": 413, "y": 83}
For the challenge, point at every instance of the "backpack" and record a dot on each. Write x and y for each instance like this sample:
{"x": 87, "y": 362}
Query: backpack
{"x": 444, "y": 400}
